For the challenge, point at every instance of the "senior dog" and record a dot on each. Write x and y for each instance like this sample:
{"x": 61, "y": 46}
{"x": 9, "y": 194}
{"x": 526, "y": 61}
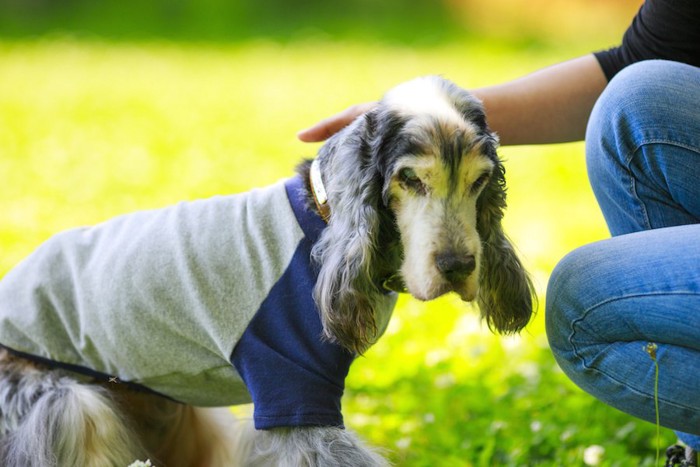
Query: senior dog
{"x": 120, "y": 341}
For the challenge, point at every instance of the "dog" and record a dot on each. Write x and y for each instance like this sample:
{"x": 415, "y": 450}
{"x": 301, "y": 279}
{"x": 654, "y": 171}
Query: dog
{"x": 128, "y": 340}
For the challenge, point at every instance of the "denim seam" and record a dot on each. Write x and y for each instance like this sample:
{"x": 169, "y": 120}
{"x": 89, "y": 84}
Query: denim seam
{"x": 669, "y": 142}
{"x": 633, "y": 190}
{"x": 642, "y": 207}
{"x": 625, "y": 385}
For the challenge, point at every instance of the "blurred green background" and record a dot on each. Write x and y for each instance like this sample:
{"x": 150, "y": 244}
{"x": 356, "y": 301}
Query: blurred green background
{"x": 112, "y": 106}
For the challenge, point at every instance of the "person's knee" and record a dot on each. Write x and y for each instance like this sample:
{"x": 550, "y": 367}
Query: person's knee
{"x": 635, "y": 90}
{"x": 637, "y": 94}
{"x": 633, "y": 102}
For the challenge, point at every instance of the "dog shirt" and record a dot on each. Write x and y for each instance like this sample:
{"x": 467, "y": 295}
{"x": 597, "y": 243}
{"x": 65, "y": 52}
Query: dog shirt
{"x": 206, "y": 302}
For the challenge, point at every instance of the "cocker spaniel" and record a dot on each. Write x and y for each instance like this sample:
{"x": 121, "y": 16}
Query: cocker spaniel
{"x": 128, "y": 340}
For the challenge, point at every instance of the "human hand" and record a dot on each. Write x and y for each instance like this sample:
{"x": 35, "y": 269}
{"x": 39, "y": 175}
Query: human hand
{"x": 333, "y": 124}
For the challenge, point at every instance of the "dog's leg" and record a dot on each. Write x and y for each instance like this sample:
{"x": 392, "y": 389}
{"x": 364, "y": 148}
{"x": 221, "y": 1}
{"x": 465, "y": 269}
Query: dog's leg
{"x": 197, "y": 437}
{"x": 178, "y": 435}
{"x": 215, "y": 428}
{"x": 310, "y": 447}
{"x": 49, "y": 419}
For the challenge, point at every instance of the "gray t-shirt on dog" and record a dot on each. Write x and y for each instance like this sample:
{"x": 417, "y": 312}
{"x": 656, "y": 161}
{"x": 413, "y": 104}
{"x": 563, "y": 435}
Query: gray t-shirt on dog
{"x": 150, "y": 296}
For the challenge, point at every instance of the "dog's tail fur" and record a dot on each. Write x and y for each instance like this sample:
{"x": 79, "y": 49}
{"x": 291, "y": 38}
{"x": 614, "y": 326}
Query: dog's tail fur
{"x": 60, "y": 422}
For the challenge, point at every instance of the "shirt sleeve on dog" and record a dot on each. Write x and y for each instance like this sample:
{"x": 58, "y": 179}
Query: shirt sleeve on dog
{"x": 294, "y": 375}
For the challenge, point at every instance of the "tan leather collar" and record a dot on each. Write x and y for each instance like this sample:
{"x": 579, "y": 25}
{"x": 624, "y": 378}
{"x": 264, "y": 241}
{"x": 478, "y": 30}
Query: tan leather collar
{"x": 318, "y": 190}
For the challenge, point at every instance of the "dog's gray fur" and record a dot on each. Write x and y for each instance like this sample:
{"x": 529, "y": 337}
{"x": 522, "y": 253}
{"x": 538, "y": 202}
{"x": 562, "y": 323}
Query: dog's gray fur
{"x": 50, "y": 419}
{"x": 307, "y": 447}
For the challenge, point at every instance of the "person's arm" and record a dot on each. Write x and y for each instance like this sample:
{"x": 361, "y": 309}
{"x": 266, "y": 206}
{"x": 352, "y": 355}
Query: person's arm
{"x": 549, "y": 106}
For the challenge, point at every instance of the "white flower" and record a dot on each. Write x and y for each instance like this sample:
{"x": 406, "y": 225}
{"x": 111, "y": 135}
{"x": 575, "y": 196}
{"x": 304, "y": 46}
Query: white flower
{"x": 593, "y": 455}
{"x": 142, "y": 464}
{"x": 403, "y": 443}
{"x": 435, "y": 357}
{"x": 445, "y": 380}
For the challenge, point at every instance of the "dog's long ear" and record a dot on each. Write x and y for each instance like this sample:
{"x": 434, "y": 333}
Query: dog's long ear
{"x": 506, "y": 294}
{"x": 346, "y": 250}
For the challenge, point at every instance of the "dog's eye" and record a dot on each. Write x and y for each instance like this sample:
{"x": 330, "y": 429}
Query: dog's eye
{"x": 408, "y": 175}
{"x": 480, "y": 182}
{"x": 411, "y": 180}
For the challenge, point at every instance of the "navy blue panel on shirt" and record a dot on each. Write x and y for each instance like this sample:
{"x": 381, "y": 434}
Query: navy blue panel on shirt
{"x": 295, "y": 377}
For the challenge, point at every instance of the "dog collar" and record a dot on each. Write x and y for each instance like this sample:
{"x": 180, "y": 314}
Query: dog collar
{"x": 318, "y": 190}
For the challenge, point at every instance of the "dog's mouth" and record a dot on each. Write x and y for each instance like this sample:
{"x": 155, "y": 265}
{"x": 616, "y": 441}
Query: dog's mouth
{"x": 466, "y": 290}
{"x": 463, "y": 293}
{"x": 426, "y": 287}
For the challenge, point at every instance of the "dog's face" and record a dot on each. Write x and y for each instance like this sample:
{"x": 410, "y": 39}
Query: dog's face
{"x": 419, "y": 172}
{"x": 435, "y": 209}
{"x": 433, "y": 190}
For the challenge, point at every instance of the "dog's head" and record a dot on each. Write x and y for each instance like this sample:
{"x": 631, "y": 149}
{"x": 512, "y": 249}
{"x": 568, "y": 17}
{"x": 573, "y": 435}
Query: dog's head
{"x": 416, "y": 194}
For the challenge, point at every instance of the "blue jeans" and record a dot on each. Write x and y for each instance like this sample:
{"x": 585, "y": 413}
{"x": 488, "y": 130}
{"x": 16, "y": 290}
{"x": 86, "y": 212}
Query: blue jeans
{"x": 607, "y": 301}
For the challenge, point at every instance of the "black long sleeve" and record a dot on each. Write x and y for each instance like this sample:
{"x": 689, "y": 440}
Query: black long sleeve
{"x": 662, "y": 29}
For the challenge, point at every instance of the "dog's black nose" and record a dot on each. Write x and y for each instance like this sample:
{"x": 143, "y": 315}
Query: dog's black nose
{"x": 455, "y": 267}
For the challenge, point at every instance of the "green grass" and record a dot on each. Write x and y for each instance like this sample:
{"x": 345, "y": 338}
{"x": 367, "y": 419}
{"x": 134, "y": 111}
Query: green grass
{"x": 89, "y": 130}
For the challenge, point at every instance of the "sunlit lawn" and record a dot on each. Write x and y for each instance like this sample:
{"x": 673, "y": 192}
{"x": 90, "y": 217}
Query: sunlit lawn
{"x": 89, "y": 130}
